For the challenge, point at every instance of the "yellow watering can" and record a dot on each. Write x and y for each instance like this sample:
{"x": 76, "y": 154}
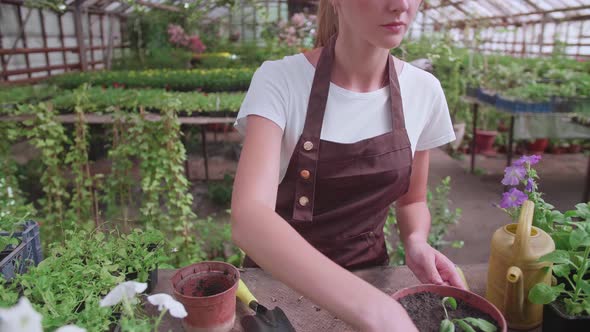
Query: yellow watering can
{"x": 514, "y": 269}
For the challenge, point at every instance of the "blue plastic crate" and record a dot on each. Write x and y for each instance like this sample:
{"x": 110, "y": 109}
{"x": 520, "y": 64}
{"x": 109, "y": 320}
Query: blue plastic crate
{"x": 28, "y": 252}
{"x": 517, "y": 106}
{"x": 485, "y": 97}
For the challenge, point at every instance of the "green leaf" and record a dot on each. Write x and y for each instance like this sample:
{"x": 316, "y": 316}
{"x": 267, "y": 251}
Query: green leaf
{"x": 544, "y": 294}
{"x": 585, "y": 285}
{"x": 561, "y": 270}
{"x": 557, "y": 256}
{"x": 464, "y": 326}
{"x": 447, "y": 326}
{"x": 583, "y": 210}
{"x": 482, "y": 324}
{"x": 451, "y": 301}
{"x": 457, "y": 244}
{"x": 578, "y": 238}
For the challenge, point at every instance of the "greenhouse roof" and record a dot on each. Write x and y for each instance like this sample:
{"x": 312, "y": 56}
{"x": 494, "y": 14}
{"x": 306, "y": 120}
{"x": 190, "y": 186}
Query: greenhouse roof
{"x": 513, "y": 12}
{"x": 453, "y": 12}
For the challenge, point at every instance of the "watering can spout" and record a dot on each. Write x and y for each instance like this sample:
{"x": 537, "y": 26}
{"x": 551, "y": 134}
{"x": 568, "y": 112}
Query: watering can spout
{"x": 514, "y": 298}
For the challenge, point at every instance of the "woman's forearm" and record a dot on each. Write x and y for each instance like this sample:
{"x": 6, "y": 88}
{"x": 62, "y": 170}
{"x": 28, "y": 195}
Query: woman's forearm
{"x": 413, "y": 220}
{"x": 274, "y": 245}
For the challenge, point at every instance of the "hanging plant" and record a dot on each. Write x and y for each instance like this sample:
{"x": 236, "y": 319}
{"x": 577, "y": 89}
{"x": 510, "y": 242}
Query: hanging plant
{"x": 118, "y": 197}
{"x": 49, "y": 137}
{"x": 83, "y": 205}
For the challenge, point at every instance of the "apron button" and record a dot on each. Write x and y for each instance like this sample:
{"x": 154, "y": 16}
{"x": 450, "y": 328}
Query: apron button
{"x": 308, "y": 146}
{"x": 303, "y": 200}
{"x": 305, "y": 174}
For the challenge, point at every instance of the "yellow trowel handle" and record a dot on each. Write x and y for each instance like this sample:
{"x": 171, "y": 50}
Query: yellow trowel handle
{"x": 462, "y": 277}
{"x": 244, "y": 294}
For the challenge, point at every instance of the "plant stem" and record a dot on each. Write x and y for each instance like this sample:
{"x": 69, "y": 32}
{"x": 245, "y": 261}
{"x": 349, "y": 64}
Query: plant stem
{"x": 159, "y": 320}
{"x": 581, "y": 274}
{"x": 445, "y": 309}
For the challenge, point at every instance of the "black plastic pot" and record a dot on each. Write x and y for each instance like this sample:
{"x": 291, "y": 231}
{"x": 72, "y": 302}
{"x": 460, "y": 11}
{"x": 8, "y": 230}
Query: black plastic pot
{"x": 152, "y": 279}
{"x": 555, "y": 320}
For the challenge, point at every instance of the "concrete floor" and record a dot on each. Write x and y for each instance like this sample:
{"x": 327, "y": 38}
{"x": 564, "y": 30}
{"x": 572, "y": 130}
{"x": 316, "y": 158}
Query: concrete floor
{"x": 562, "y": 179}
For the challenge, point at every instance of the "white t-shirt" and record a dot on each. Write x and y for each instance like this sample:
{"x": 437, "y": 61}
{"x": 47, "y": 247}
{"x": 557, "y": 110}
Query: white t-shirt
{"x": 280, "y": 91}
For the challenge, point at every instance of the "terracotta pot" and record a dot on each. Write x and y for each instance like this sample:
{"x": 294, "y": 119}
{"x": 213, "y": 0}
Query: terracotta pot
{"x": 484, "y": 141}
{"x": 538, "y": 146}
{"x": 468, "y": 297}
{"x": 554, "y": 320}
{"x": 575, "y": 148}
{"x": 208, "y": 292}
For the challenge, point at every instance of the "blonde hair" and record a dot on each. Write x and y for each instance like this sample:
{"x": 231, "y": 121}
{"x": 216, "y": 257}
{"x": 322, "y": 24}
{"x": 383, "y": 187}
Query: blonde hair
{"x": 327, "y": 23}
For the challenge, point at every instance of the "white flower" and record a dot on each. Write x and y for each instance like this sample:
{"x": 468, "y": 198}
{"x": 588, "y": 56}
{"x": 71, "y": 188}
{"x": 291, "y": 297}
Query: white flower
{"x": 70, "y": 328}
{"x": 166, "y": 301}
{"x": 22, "y": 317}
{"x": 127, "y": 290}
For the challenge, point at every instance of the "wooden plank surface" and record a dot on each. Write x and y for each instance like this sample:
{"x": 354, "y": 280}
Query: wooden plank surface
{"x": 302, "y": 313}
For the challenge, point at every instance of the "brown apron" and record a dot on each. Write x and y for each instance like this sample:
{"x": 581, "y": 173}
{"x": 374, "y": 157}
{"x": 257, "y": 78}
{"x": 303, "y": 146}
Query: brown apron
{"x": 337, "y": 196}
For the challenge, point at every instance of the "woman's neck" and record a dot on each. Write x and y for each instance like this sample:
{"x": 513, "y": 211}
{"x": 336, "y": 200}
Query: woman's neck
{"x": 360, "y": 66}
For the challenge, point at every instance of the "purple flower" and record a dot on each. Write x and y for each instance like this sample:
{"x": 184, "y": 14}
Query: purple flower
{"x": 529, "y": 185}
{"x": 513, "y": 198}
{"x": 531, "y": 160}
{"x": 513, "y": 175}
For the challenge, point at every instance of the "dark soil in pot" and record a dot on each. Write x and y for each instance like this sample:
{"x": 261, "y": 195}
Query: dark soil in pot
{"x": 427, "y": 312}
{"x": 208, "y": 285}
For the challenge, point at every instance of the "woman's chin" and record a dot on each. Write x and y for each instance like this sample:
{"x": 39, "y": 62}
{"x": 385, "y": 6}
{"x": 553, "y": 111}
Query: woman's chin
{"x": 389, "y": 42}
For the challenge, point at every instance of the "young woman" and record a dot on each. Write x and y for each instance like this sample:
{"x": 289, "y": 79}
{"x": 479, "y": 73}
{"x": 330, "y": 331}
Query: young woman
{"x": 333, "y": 137}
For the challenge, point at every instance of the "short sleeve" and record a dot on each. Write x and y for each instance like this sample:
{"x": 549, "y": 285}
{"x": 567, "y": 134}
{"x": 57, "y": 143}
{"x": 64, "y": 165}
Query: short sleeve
{"x": 266, "y": 97}
{"x": 438, "y": 129}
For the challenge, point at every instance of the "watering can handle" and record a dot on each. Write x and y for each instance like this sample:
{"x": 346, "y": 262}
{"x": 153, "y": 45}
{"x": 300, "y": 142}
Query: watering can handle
{"x": 523, "y": 231}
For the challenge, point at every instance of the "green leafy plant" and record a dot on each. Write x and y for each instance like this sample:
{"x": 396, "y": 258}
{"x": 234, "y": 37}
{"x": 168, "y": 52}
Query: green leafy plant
{"x": 441, "y": 218}
{"x": 67, "y": 285}
{"x": 48, "y": 135}
{"x": 83, "y": 203}
{"x": 26, "y": 94}
{"x": 220, "y": 192}
{"x": 151, "y": 99}
{"x": 571, "y": 263}
{"x": 466, "y": 324}
{"x": 209, "y": 80}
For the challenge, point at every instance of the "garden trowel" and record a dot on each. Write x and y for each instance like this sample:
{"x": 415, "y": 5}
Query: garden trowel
{"x": 264, "y": 320}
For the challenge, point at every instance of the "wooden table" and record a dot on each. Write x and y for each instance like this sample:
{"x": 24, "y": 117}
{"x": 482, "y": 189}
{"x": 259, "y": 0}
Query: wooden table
{"x": 302, "y": 313}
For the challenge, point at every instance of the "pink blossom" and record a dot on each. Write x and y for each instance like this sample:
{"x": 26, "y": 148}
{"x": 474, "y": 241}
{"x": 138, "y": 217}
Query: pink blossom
{"x": 298, "y": 19}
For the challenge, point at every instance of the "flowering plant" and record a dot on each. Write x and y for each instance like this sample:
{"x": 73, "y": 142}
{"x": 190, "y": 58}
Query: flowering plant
{"x": 178, "y": 37}
{"x": 300, "y": 30}
{"x": 522, "y": 178}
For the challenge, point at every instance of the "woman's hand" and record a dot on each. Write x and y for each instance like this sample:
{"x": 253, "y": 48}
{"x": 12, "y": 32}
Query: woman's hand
{"x": 430, "y": 266}
{"x": 387, "y": 314}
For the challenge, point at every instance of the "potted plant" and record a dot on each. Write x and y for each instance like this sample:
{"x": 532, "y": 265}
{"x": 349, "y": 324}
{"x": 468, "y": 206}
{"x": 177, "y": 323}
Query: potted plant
{"x": 538, "y": 146}
{"x": 435, "y": 307}
{"x": 575, "y": 146}
{"x": 567, "y": 304}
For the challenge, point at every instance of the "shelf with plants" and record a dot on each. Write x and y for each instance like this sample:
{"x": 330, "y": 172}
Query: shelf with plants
{"x": 535, "y": 87}
{"x": 206, "y": 80}
{"x": 10, "y": 96}
{"x": 219, "y": 103}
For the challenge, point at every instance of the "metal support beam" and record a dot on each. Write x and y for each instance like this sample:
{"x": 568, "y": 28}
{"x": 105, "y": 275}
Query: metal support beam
{"x": 44, "y": 35}
{"x": 80, "y": 34}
